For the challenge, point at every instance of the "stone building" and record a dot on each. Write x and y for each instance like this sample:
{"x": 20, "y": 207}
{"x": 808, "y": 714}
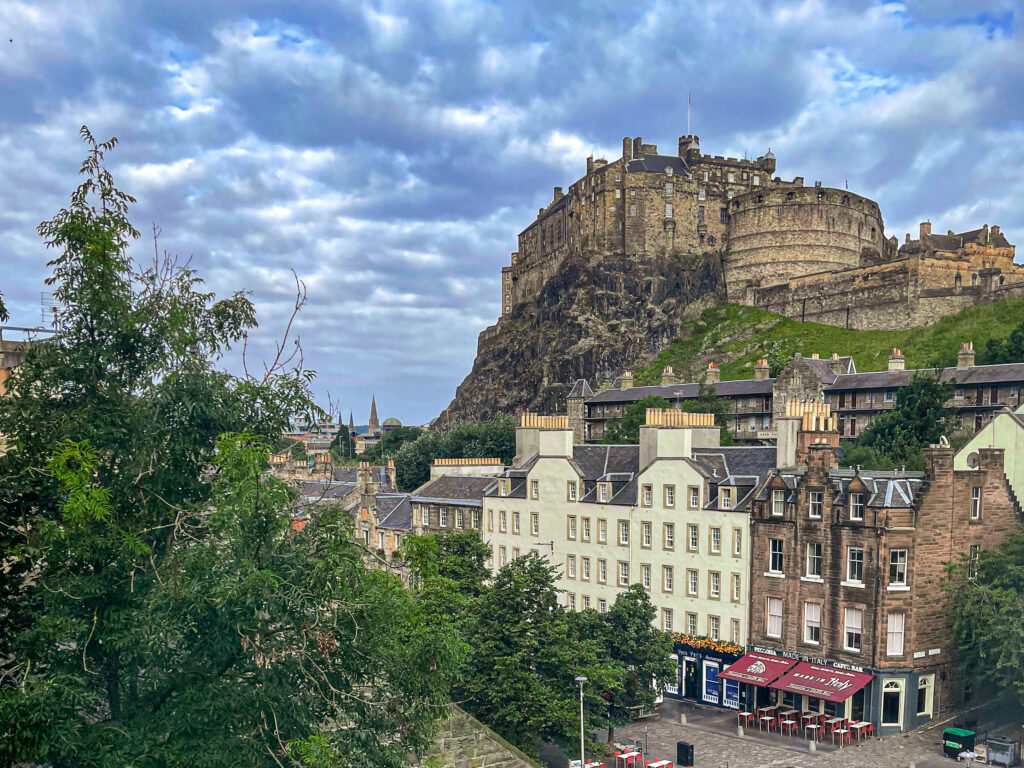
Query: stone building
{"x": 669, "y": 514}
{"x": 846, "y": 572}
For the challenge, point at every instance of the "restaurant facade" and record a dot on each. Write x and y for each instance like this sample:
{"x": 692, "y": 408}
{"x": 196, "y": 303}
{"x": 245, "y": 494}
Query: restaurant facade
{"x": 699, "y": 666}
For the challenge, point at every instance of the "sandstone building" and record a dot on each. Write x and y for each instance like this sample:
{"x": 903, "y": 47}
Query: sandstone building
{"x": 808, "y": 252}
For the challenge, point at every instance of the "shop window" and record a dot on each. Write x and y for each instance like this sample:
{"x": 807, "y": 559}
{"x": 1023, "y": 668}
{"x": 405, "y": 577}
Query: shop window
{"x": 892, "y": 702}
{"x": 925, "y": 692}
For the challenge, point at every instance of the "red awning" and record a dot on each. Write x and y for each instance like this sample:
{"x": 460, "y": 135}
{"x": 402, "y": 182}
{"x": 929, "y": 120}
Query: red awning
{"x": 822, "y": 682}
{"x": 757, "y": 669}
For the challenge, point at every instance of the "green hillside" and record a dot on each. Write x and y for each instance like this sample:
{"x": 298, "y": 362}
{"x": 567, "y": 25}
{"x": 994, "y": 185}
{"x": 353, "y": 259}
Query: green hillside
{"x": 736, "y": 336}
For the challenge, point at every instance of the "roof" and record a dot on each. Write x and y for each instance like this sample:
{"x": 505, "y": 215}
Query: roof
{"x": 392, "y": 421}
{"x": 581, "y": 389}
{"x": 316, "y": 490}
{"x": 394, "y": 511}
{"x": 657, "y": 164}
{"x": 974, "y": 375}
{"x": 455, "y": 489}
{"x": 597, "y": 461}
{"x": 350, "y": 475}
{"x": 736, "y": 464}
{"x": 688, "y": 391}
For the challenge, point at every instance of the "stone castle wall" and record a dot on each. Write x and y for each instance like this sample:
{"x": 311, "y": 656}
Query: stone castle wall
{"x": 464, "y": 742}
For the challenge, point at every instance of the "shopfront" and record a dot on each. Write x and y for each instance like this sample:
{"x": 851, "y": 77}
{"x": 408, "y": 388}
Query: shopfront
{"x": 699, "y": 674}
{"x": 754, "y": 672}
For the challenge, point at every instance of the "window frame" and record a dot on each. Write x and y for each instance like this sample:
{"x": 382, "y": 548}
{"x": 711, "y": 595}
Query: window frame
{"x": 778, "y": 503}
{"x": 818, "y": 556}
{"x": 851, "y": 561}
{"x": 815, "y": 499}
{"x": 771, "y": 600}
{"x": 776, "y": 553}
{"x": 857, "y": 504}
{"x": 848, "y": 612}
{"x": 892, "y": 633}
{"x": 896, "y": 564}
{"x": 808, "y": 625}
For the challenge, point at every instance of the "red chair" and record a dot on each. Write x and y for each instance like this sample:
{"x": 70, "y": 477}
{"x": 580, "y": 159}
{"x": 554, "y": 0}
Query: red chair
{"x": 788, "y": 727}
{"x": 744, "y": 718}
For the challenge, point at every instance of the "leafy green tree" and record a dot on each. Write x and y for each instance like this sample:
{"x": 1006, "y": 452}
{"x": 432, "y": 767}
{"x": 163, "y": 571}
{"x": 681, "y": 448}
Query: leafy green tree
{"x": 495, "y": 438}
{"x": 157, "y": 607}
{"x": 4, "y": 316}
{"x": 626, "y": 428}
{"x": 918, "y": 419}
{"x": 396, "y": 438}
{"x": 708, "y": 402}
{"x": 986, "y": 615}
{"x": 342, "y": 447}
{"x": 1009, "y": 350}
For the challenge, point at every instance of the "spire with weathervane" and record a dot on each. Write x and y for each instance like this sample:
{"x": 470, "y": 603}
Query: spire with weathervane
{"x": 374, "y": 426}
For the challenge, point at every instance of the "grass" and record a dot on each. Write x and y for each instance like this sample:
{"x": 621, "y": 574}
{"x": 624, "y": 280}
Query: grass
{"x": 736, "y": 336}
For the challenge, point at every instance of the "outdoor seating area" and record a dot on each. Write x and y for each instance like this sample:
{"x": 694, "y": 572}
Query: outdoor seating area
{"x": 812, "y": 726}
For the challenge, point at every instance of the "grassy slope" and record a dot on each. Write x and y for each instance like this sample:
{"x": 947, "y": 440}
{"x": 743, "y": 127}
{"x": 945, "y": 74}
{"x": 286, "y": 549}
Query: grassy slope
{"x": 735, "y": 336}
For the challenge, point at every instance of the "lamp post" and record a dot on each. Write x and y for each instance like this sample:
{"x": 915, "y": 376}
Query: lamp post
{"x": 581, "y": 680}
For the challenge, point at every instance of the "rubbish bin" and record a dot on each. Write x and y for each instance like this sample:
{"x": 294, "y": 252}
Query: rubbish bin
{"x": 957, "y": 740}
{"x": 1003, "y": 751}
{"x": 684, "y": 754}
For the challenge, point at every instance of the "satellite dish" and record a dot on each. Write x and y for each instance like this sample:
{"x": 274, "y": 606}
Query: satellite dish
{"x": 972, "y": 460}
{"x": 840, "y": 452}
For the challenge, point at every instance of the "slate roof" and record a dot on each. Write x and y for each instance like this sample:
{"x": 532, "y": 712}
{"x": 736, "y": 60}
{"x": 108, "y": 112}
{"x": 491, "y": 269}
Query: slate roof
{"x": 454, "y": 489}
{"x": 316, "y": 490}
{"x": 886, "y": 490}
{"x": 976, "y": 375}
{"x": 348, "y": 475}
{"x": 596, "y": 461}
{"x": 736, "y": 464}
{"x": 677, "y": 392}
{"x": 394, "y": 511}
{"x": 657, "y": 164}
{"x": 998, "y": 239}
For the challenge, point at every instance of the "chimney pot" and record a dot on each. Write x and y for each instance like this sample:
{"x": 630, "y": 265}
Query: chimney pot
{"x": 626, "y": 380}
{"x": 761, "y": 370}
{"x": 896, "y": 360}
{"x": 713, "y": 375}
{"x": 965, "y": 357}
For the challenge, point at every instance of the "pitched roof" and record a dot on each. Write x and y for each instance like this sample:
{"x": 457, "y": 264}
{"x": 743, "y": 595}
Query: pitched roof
{"x": 596, "y": 461}
{"x": 394, "y": 511}
{"x": 313, "y": 490}
{"x": 581, "y": 389}
{"x": 736, "y": 464}
{"x": 976, "y": 375}
{"x": 678, "y": 392}
{"x": 657, "y": 164}
{"x": 454, "y": 488}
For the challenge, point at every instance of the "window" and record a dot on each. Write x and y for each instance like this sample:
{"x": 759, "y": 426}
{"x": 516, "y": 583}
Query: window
{"x": 632, "y": 209}
{"x": 725, "y": 498}
{"x": 737, "y": 542}
{"x": 704, "y": 175}
{"x": 585, "y": 568}
{"x": 613, "y": 207}
{"x": 570, "y": 527}
{"x": 459, "y": 519}
{"x": 813, "y": 569}
{"x": 645, "y": 575}
{"x": 694, "y": 497}
{"x": 602, "y": 531}
{"x": 586, "y": 602}
{"x": 736, "y": 591}
{"x": 602, "y": 571}
{"x": 398, "y": 540}
{"x": 959, "y": 394}
{"x": 602, "y": 606}
{"x": 380, "y": 540}
{"x": 618, "y": 176}
{"x": 972, "y": 561}
{"x": 898, "y": 567}
{"x": 667, "y": 578}
{"x": 503, "y": 486}
{"x": 602, "y": 491}
{"x": 490, "y": 519}
{"x": 501, "y": 556}
{"x": 692, "y": 581}
{"x": 714, "y": 627}
{"x": 714, "y": 585}
{"x": 815, "y": 504}
{"x": 856, "y": 506}
{"x": 855, "y": 564}
{"x": 691, "y": 624}
{"x": 735, "y": 637}
{"x": 702, "y": 193}
{"x": 694, "y": 532}
{"x": 623, "y": 574}
{"x": 647, "y": 496}
{"x": 892, "y": 702}
{"x": 853, "y": 623}
{"x": 775, "y": 555}
{"x": 571, "y": 490}
{"x": 975, "y": 503}
{"x": 572, "y": 601}
{"x": 668, "y": 210}
{"x": 670, "y": 495}
{"x": 476, "y": 519}
{"x": 425, "y": 515}
{"x": 925, "y": 686}
{"x": 570, "y": 566}
{"x": 442, "y": 517}
{"x": 728, "y": 196}
{"x": 894, "y": 635}
{"x": 730, "y": 177}
{"x": 515, "y": 522}
{"x": 670, "y": 535}
{"x": 535, "y": 524}
{"x": 503, "y": 521}
{"x": 618, "y": 193}
{"x": 778, "y": 503}
{"x": 755, "y": 180}
{"x": 585, "y": 521}
{"x": 774, "y": 626}
{"x": 716, "y": 541}
{"x": 623, "y": 532}
{"x": 666, "y": 619}
{"x": 645, "y": 529}
{"x": 723, "y": 215}
{"x": 812, "y": 623}
{"x": 890, "y": 395}
{"x": 669, "y": 189}
{"x": 535, "y": 489}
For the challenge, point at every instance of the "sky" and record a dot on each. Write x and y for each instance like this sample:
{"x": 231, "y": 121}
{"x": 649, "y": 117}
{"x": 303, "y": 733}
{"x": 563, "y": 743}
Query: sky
{"x": 390, "y": 152}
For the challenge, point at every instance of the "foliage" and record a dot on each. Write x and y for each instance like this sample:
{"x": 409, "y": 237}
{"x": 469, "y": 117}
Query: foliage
{"x": 342, "y": 447}
{"x": 898, "y": 437}
{"x": 1009, "y": 350}
{"x": 986, "y": 615}
{"x": 708, "y": 402}
{"x": 4, "y": 315}
{"x": 391, "y": 442}
{"x": 626, "y": 428}
{"x": 495, "y": 438}
{"x": 157, "y": 607}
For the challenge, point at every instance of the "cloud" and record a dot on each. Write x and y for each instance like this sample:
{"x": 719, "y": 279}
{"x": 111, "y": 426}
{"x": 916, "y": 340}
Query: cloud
{"x": 389, "y": 152}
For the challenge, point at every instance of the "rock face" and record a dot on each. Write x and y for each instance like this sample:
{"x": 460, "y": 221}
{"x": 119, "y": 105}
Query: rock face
{"x": 598, "y": 315}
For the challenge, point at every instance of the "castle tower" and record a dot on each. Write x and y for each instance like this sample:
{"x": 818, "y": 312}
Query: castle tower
{"x": 374, "y": 426}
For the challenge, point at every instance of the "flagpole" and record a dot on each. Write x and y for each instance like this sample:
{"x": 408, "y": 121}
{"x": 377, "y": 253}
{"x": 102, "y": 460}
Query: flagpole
{"x": 687, "y": 114}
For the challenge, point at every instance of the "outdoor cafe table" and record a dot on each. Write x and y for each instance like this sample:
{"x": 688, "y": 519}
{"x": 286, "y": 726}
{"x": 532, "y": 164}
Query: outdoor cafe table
{"x": 842, "y": 735}
{"x": 813, "y": 729}
{"x": 769, "y": 718}
{"x": 789, "y": 713}
{"x": 835, "y": 722}
{"x": 763, "y": 710}
{"x": 860, "y": 728}
{"x": 787, "y": 725}
{"x": 809, "y": 717}
{"x": 659, "y": 764}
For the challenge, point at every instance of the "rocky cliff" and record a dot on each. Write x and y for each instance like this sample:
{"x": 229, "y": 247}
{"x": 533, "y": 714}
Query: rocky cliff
{"x": 598, "y": 315}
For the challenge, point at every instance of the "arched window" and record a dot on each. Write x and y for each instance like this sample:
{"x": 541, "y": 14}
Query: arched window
{"x": 974, "y": 278}
{"x": 846, "y": 199}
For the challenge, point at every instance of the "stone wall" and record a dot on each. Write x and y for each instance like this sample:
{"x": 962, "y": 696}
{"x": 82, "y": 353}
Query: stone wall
{"x": 464, "y": 742}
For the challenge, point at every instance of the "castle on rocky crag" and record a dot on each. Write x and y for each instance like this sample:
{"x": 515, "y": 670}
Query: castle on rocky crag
{"x": 807, "y": 252}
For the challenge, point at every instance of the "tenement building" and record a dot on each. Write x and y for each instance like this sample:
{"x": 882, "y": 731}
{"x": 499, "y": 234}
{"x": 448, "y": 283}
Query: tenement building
{"x": 846, "y": 610}
{"x": 980, "y": 392}
{"x": 670, "y": 514}
{"x": 806, "y": 251}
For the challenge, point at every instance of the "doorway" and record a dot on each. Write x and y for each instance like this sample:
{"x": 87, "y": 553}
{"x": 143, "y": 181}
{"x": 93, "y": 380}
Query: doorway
{"x": 691, "y": 678}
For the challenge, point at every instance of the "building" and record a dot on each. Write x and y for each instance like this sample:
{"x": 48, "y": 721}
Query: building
{"x": 856, "y": 399}
{"x": 846, "y": 572}
{"x": 1005, "y": 431}
{"x": 808, "y": 252}
{"x": 670, "y": 514}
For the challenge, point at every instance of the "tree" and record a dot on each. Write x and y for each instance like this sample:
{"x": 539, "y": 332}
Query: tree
{"x": 158, "y": 608}
{"x": 708, "y": 402}
{"x": 396, "y": 438}
{"x": 342, "y": 447}
{"x": 626, "y": 428}
{"x": 492, "y": 439}
{"x": 918, "y": 419}
{"x": 985, "y": 600}
{"x": 1009, "y": 350}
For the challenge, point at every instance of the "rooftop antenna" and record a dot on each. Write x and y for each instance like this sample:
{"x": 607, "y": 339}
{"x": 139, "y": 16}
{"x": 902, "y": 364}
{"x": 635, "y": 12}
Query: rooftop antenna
{"x": 47, "y": 310}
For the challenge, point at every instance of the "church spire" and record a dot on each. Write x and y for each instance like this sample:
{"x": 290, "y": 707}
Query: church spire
{"x": 374, "y": 426}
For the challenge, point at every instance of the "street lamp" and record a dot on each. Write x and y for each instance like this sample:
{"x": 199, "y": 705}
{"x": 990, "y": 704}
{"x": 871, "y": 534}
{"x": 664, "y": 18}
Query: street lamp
{"x": 581, "y": 680}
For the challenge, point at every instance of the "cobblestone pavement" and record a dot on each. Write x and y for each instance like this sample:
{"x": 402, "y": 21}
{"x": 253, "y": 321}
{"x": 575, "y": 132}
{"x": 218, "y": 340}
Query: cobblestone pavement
{"x": 716, "y": 745}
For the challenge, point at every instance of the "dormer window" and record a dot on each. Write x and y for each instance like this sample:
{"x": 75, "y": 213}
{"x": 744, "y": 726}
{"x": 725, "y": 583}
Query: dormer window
{"x": 602, "y": 491}
{"x": 503, "y": 487}
{"x": 856, "y": 506}
{"x": 778, "y": 503}
{"x": 668, "y": 171}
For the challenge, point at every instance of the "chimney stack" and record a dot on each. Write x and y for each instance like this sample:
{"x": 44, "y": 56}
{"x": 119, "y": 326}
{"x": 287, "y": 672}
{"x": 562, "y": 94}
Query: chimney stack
{"x": 558, "y": 194}
{"x": 835, "y": 364}
{"x": 668, "y": 376}
{"x": 627, "y": 149}
{"x": 713, "y": 375}
{"x": 995, "y": 229}
{"x": 638, "y": 148}
{"x": 926, "y": 228}
{"x": 626, "y": 380}
{"x": 965, "y": 357}
{"x": 896, "y": 361}
{"x": 761, "y": 370}
{"x": 590, "y": 165}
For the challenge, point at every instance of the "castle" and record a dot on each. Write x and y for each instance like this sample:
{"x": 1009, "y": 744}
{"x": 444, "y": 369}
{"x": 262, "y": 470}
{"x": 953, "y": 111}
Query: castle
{"x": 811, "y": 253}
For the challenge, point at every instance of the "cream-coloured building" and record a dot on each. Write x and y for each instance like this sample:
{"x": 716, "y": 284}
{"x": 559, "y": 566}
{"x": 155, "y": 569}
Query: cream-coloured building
{"x": 1006, "y": 431}
{"x": 669, "y": 514}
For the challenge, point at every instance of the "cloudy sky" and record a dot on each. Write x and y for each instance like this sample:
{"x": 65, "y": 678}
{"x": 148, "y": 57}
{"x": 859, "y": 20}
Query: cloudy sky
{"x": 389, "y": 152}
